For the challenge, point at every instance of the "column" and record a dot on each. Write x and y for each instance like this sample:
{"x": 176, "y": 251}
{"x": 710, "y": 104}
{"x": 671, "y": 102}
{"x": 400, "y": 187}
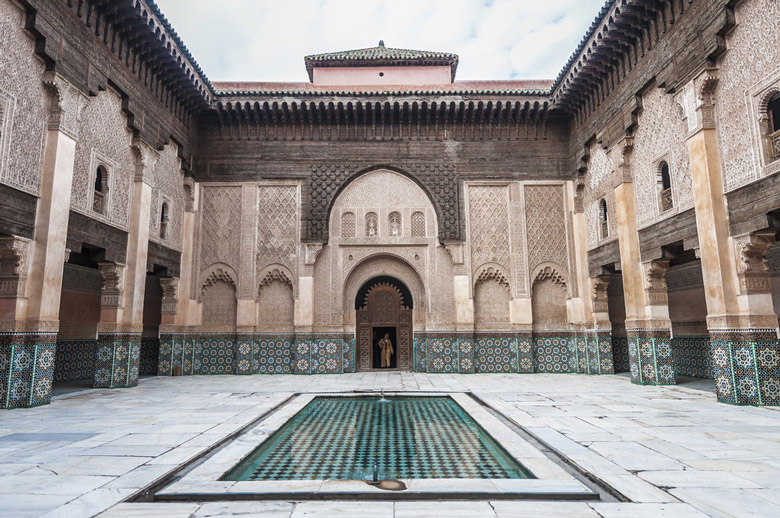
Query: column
{"x": 119, "y": 333}
{"x": 647, "y": 326}
{"x": 742, "y": 323}
{"x": 114, "y": 365}
{"x": 596, "y": 358}
{"x": 178, "y": 353}
{"x": 32, "y": 269}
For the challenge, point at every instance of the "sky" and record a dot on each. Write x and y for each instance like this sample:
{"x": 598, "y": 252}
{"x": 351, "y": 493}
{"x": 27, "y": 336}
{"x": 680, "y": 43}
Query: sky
{"x": 266, "y": 40}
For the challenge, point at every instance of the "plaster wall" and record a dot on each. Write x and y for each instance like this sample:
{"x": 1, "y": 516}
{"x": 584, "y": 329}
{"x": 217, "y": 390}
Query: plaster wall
{"x": 389, "y": 75}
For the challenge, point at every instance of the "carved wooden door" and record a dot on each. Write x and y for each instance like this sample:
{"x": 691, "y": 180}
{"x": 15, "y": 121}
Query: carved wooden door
{"x": 384, "y": 307}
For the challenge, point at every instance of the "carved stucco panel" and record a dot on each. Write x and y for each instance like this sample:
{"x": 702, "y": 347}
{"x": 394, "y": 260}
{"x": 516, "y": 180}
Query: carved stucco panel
{"x": 599, "y": 183}
{"x": 25, "y": 112}
{"x": 277, "y": 226}
{"x": 545, "y": 221}
{"x": 489, "y": 225}
{"x": 660, "y": 135}
{"x": 168, "y": 187}
{"x": 741, "y": 68}
{"x": 220, "y": 239}
{"x": 104, "y": 133}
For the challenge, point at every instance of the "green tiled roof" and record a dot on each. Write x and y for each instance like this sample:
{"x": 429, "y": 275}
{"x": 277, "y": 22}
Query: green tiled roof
{"x": 380, "y": 55}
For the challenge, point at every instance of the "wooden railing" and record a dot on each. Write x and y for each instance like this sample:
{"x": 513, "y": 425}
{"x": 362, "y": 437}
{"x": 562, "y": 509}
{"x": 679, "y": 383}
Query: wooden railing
{"x": 774, "y": 144}
{"x": 666, "y": 199}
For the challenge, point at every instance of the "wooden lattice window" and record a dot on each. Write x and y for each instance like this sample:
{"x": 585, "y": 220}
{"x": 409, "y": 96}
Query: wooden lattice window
{"x": 603, "y": 219}
{"x": 372, "y": 224}
{"x": 348, "y": 224}
{"x": 418, "y": 224}
{"x": 664, "y": 187}
{"x": 394, "y": 223}
{"x": 100, "y": 199}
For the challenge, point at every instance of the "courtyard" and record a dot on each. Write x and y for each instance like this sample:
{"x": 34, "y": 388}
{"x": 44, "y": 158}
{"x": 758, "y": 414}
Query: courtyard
{"x": 653, "y": 450}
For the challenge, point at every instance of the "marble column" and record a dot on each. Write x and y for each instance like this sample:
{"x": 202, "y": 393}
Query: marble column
{"x": 740, "y": 317}
{"x": 32, "y": 269}
{"x": 647, "y": 329}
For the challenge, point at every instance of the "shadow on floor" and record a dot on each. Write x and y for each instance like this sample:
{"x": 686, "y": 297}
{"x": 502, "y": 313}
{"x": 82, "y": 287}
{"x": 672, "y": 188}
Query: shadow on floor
{"x": 705, "y": 384}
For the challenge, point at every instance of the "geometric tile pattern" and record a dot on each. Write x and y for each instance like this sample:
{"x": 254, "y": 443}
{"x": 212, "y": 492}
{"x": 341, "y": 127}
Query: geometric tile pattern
{"x": 117, "y": 360}
{"x": 150, "y": 350}
{"x": 75, "y": 360}
{"x": 555, "y": 354}
{"x": 692, "y": 356}
{"x": 594, "y": 354}
{"x": 243, "y": 354}
{"x": 746, "y": 367}
{"x": 26, "y": 368}
{"x": 302, "y": 355}
{"x": 496, "y": 354}
{"x": 216, "y": 353}
{"x": 650, "y": 358}
{"x": 326, "y": 355}
{"x": 620, "y": 353}
{"x": 419, "y": 437}
{"x": 272, "y": 355}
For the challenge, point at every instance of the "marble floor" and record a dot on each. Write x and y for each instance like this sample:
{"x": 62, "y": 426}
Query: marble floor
{"x": 668, "y": 451}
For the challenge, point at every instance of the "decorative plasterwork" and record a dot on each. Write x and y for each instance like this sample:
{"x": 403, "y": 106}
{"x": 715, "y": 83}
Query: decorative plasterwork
{"x": 752, "y": 270}
{"x": 170, "y": 299}
{"x": 113, "y": 284}
{"x": 146, "y": 158}
{"x": 655, "y": 282}
{"x": 492, "y": 272}
{"x": 550, "y": 272}
{"x": 218, "y": 273}
{"x": 66, "y": 104}
{"x": 599, "y": 296}
{"x": 14, "y": 266}
{"x": 275, "y": 273}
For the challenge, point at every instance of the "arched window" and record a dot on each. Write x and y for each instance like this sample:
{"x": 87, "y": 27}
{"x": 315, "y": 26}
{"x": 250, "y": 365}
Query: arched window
{"x": 664, "y": 185}
{"x": 164, "y": 220}
{"x": 372, "y": 224}
{"x": 773, "y": 113}
{"x": 394, "y": 223}
{"x": 603, "y": 219}
{"x": 101, "y": 190}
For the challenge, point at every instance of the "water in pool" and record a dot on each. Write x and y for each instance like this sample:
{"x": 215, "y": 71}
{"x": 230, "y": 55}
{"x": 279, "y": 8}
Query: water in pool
{"x": 340, "y": 438}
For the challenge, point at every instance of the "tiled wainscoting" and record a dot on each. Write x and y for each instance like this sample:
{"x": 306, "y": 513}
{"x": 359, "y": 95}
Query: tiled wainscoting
{"x": 150, "y": 351}
{"x": 692, "y": 356}
{"x": 256, "y": 354}
{"x": 75, "y": 360}
{"x": 469, "y": 353}
{"x": 620, "y": 353}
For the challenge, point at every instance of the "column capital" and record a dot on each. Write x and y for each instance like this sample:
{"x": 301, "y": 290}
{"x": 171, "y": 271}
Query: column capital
{"x": 66, "y": 104}
{"x": 170, "y": 299}
{"x": 113, "y": 284}
{"x": 750, "y": 251}
{"x": 697, "y": 100}
{"x": 14, "y": 266}
{"x": 655, "y": 282}
{"x": 598, "y": 291}
{"x": 145, "y": 160}
{"x": 189, "y": 194}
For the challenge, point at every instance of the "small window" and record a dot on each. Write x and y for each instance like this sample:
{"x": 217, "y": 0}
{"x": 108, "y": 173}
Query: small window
{"x": 372, "y": 224}
{"x": 664, "y": 186}
{"x": 603, "y": 219}
{"x": 773, "y": 112}
{"x": 418, "y": 224}
{"x": 164, "y": 217}
{"x": 101, "y": 190}
{"x": 394, "y": 223}
{"x": 348, "y": 224}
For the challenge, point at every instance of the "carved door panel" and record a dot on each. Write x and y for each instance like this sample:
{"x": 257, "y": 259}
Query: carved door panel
{"x": 364, "y": 345}
{"x": 383, "y": 307}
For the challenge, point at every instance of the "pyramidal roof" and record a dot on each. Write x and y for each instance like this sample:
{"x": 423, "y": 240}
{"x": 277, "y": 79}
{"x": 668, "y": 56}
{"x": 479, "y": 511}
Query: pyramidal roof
{"x": 380, "y": 55}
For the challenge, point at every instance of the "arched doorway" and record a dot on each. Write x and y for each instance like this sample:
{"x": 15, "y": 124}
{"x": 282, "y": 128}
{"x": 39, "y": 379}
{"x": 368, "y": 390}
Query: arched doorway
{"x": 383, "y": 306}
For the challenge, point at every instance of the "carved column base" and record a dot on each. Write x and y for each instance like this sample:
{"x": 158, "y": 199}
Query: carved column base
{"x": 746, "y": 366}
{"x": 650, "y": 356}
{"x": 118, "y": 358}
{"x": 594, "y": 353}
{"x": 26, "y": 368}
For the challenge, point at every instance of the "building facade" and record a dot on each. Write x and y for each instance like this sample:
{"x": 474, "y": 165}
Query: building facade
{"x": 621, "y": 217}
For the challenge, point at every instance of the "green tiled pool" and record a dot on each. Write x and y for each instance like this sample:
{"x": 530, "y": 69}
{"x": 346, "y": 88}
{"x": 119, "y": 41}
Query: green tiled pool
{"x": 340, "y": 438}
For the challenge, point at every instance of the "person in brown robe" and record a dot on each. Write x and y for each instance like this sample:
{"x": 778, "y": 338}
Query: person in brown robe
{"x": 386, "y": 346}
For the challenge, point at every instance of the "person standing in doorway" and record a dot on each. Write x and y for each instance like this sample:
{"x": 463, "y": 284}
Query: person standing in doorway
{"x": 386, "y": 348}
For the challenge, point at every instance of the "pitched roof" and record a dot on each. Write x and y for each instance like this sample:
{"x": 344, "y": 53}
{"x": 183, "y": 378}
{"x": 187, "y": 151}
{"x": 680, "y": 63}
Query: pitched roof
{"x": 380, "y": 55}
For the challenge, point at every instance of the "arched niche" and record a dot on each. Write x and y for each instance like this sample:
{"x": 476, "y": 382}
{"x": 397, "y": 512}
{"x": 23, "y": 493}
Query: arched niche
{"x": 386, "y": 198}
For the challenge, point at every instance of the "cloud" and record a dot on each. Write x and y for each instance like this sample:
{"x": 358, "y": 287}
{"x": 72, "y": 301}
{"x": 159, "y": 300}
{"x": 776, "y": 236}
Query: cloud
{"x": 265, "y": 40}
